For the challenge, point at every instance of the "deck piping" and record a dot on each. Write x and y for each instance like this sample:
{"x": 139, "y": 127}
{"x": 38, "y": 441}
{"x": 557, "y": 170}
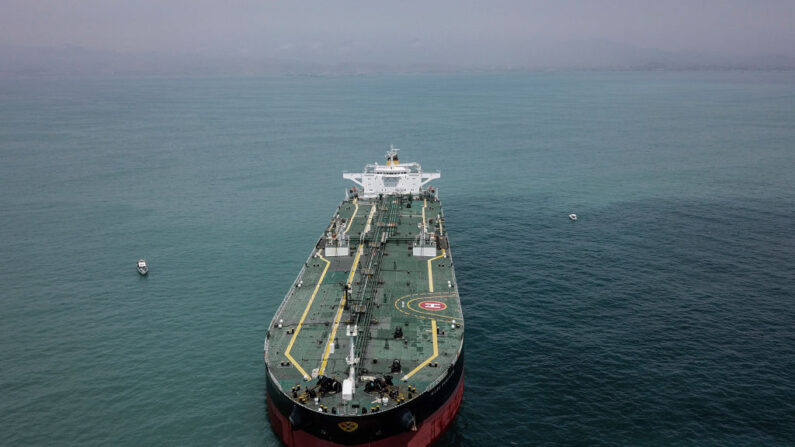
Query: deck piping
{"x": 327, "y": 351}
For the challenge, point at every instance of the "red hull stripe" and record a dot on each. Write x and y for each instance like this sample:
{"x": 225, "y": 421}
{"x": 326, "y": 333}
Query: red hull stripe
{"x": 427, "y": 433}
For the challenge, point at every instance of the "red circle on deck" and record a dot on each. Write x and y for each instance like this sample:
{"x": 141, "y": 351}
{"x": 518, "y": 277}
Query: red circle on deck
{"x": 433, "y": 305}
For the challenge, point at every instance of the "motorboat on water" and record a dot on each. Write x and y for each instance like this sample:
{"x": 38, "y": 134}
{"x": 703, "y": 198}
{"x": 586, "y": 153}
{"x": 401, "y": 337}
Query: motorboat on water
{"x": 142, "y": 268}
{"x": 573, "y": 217}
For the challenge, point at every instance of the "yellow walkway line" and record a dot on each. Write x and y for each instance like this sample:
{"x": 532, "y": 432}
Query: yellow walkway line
{"x": 337, "y": 319}
{"x": 435, "y": 353}
{"x": 430, "y": 271}
{"x": 303, "y": 317}
{"x": 369, "y": 220}
{"x": 355, "y": 264}
{"x": 333, "y": 334}
{"x": 350, "y": 221}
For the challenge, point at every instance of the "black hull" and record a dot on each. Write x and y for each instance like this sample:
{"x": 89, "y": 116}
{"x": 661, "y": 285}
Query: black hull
{"x": 371, "y": 426}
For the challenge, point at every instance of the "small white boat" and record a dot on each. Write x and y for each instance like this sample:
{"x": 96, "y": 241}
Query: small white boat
{"x": 573, "y": 216}
{"x": 142, "y": 268}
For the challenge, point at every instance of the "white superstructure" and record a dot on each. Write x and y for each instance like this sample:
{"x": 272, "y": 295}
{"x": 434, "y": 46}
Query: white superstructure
{"x": 392, "y": 178}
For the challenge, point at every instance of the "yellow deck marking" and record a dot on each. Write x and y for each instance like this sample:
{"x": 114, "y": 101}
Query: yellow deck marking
{"x": 435, "y": 353}
{"x": 427, "y": 296}
{"x": 430, "y": 271}
{"x": 355, "y": 210}
{"x": 327, "y": 351}
{"x": 437, "y": 314}
{"x": 369, "y": 219}
{"x": 303, "y": 317}
{"x": 337, "y": 319}
{"x": 355, "y": 264}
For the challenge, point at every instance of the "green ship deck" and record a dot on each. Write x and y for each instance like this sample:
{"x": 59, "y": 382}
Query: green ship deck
{"x": 378, "y": 287}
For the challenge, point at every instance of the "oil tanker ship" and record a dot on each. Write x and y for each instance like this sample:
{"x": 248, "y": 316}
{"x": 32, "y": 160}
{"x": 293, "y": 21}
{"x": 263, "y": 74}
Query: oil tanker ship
{"x": 367, "y": 346}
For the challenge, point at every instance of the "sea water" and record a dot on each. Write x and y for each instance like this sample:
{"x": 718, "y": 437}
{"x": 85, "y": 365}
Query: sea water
{"x": 664, "y": 316}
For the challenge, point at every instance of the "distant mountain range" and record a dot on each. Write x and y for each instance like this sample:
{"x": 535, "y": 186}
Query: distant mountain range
{"x": 69, "y": 60}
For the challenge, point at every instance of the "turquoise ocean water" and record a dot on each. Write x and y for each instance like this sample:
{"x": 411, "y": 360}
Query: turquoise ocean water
{"x": 664, "y": 316}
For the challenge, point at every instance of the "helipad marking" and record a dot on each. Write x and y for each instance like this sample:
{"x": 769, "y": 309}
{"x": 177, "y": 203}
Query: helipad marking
{"x": 433, "y": 305}
{"x": 418, "y": 311}
{"x": 407, "y": 307}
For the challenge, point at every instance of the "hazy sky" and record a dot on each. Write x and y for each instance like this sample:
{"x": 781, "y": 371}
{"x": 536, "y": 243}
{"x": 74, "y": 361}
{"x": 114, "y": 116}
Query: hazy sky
{"x": 494, "y": 31}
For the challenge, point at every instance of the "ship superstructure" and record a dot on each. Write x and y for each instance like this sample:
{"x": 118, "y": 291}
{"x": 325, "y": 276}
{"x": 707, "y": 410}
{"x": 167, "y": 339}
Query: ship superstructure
{"x": 367, "y": 346}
